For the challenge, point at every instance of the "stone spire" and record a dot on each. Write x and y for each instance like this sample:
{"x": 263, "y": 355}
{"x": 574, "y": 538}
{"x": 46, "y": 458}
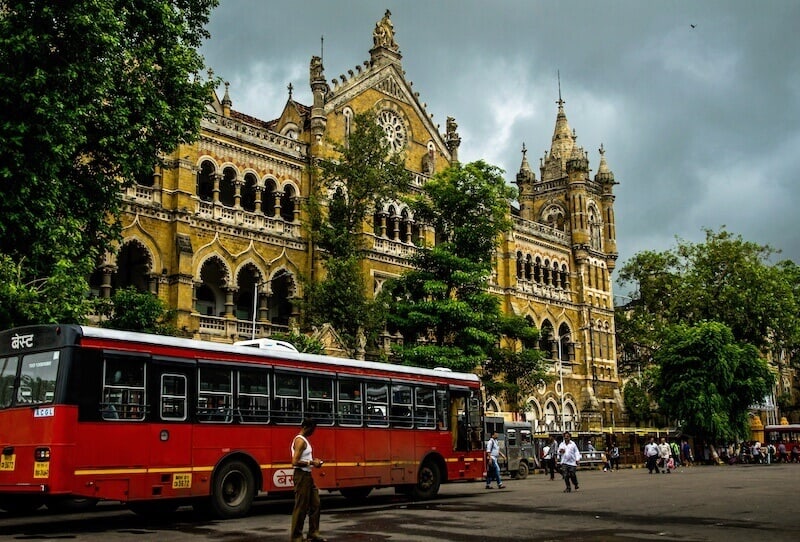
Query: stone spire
{"x": 604, "y": 174}
{"x": 226, "y": 101}
{"x": 525, "y": 180}
{"x": 563, "y": 137}
{"x": 526, "y": 174}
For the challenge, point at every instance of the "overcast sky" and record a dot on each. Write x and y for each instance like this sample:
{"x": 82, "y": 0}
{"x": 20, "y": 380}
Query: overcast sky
{"x": 697, "y": 103}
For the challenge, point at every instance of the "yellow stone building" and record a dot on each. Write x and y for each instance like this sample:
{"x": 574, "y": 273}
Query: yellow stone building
{"x": 218, "y": 232}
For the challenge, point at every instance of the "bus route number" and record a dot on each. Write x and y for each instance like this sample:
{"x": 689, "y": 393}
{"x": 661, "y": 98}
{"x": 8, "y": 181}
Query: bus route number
{"x": 181, "y": 481}
{"x": 7, "y": 462}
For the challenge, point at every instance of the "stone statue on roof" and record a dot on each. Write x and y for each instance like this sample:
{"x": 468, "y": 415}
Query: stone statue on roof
{"x": 383, "y": 36}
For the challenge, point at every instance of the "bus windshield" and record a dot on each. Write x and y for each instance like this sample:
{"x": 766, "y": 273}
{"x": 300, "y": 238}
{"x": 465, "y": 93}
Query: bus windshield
{"x": 8, "y": 373}
{"x": 37, "y": 378}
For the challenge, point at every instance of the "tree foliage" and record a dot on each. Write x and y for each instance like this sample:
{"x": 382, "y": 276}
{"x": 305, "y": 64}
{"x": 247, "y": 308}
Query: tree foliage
{"x": 724, "y": 279}
{"x": 443, "y": 307}
{"x": 96, "y": 91}
{"x": 637, "y": 401}
{"x": 132, "y": 310}
{"x": 707, "y": 380}
{"x": 365, "y": 174}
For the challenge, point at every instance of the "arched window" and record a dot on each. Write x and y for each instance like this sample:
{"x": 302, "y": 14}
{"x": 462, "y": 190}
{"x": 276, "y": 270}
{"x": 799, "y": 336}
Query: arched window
{"x": 537, "y": 270}
{"x": 268, "y": 198}
{"x": 520, "y": 265}
{"x": 205, "y": 181}
{"x": 227, "y": 189}
{"x": 249, "y": 193}
{"x": 546, "y": 337}
{"x": 287, "y": 204}
{"x": 595, "y": 229}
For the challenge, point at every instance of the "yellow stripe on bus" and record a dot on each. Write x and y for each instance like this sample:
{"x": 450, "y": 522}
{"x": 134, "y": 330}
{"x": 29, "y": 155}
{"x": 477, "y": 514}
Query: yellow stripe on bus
{"x": 275, "y": 466}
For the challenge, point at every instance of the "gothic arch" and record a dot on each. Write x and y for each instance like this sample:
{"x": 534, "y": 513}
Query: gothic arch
{"x": 207, "y": 158}
{"x": 202, "y": 261}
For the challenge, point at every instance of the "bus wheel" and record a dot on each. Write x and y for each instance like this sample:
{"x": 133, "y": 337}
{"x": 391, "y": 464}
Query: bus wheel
{"x": 355, "y": 494}
{"x": 428, "y": 481}
{"x": 522, "y": 473}
{"x": 233, "y": 491}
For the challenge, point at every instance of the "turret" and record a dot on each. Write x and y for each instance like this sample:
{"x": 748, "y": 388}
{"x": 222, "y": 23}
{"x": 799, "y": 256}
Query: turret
{"x": 525, "y": 180}
{"x": 319, "y": 88}
{"x": 605, "y": 178}
{"x": 226, "y": 101}
{"x": 452, "y": 139}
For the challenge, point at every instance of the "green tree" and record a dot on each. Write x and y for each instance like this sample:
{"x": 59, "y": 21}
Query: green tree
{"x": 132, "y": 310}
{"x": 302, "y": 342}
{"x": 101, "y": 89}
{"x": 443, "y": 307}
{"x": 365, "y": 174}
{"x": 725, "y": 279}
{"x": 637, "y": 401}
{"x": 706, "y": 380}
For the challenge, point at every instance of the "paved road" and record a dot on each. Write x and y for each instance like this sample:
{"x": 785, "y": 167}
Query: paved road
{"x": 730, "y": 503}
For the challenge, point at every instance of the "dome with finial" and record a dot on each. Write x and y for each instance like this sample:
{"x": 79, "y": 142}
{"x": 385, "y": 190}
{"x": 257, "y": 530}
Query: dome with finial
{"x": 604, "y": 174}
{"x": 525, "y": 174}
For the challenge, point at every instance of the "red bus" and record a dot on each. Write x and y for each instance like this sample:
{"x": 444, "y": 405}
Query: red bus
{"x": 156, "y": 422}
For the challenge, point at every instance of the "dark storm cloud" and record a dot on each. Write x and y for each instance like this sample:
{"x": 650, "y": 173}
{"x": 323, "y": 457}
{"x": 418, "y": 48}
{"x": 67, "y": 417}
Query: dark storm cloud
{"x": 700, "y": 125}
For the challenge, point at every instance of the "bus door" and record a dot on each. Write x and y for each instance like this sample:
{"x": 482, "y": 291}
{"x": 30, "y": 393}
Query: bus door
{"x": 170, "y": 439}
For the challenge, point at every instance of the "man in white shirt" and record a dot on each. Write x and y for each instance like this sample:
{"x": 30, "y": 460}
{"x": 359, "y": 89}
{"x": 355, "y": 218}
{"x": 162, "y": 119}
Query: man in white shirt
{"x": 651, "y": 455}
{"x": 570, "y": 457}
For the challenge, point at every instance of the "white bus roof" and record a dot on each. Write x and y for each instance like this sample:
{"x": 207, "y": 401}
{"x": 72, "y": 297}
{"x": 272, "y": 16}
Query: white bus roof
{"x": 166, "y": 340}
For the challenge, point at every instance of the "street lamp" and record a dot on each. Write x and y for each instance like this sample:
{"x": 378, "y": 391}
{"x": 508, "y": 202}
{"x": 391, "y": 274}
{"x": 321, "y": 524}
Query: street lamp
{"x": 256, "y": 285}
{"x": 561, "y": 374}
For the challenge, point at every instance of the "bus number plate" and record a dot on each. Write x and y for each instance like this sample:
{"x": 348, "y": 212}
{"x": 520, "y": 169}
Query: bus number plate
{"x": 181, "y": 481}
{"x": 44, "y": 412}
{"x": 7, "y": 462}
{"x": 41, "y": 469}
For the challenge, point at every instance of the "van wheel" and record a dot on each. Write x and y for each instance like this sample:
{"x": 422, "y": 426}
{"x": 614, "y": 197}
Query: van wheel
{"x": 522, "y": 473}
{"x": 428, "y": 481}
{"x": 233, "y": 490}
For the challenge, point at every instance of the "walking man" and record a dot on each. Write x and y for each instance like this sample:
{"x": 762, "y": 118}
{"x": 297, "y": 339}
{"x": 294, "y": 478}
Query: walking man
{"x": 306, "y": 494}
{"x": 570, "y": 457}
{"x": 651, "y": 455}
{"x": 492, "y": 464}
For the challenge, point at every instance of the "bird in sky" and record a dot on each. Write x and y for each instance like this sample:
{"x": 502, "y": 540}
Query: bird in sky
{"x": 692, "y": 25}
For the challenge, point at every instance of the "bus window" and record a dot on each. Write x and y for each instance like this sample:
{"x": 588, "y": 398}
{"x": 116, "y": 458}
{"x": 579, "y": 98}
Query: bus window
{"x": 377, "y": 404}
{"x": 8, "y": 373}
{"x": 287, "y": 405}
{"x": 173, "y": 397}
{"x": 350, "y": 408}
{"x": 320, "y": 399}
{"x": 253, "y": 398}
{"x": 442, "y": 404}
{"x": 424, "y": 408}
{"x": 123, "y": 389}
{"x": 37, "y": 378}
{"x": 401, "y": 406}
{"x": 215, "y": 395}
